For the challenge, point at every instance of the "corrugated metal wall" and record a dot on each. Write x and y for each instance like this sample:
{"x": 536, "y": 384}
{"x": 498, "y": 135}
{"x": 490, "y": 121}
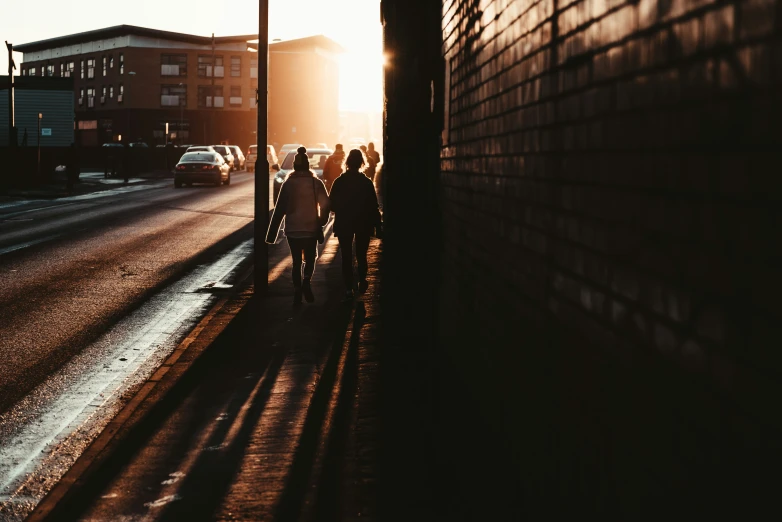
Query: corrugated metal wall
{"x": 58, "y": 113}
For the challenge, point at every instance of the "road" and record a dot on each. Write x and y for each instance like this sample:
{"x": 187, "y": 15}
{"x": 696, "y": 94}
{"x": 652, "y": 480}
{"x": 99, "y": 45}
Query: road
{"x": 96, "y": 290}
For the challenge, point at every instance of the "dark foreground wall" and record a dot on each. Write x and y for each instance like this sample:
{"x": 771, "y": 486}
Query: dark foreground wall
{"x": 608, "y": 193}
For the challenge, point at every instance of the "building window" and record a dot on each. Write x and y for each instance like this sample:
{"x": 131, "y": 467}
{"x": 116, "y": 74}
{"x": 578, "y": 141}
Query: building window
{"x": 43, "y": 70}
{"x": 111, "y": 61}
{"x": 122, "y": 63}
{"x": 236, "y": 66}
{"x": 62, "y": 69}
{"x": 205, "y": 98}
{"x": 111, "y": 91}
{"x": 50, "y": 70}
{"x": 120, "y": 93}
{"x": 81, "y": 97}
{"x": 24, "y": 72}
{"x": 173, "y": 95}
{"x": 32, "y": 71}
{"x": 103, "y": 94}
{"x": 105, "y": 66}
{"x": 236, "y": 95}
{"x": 90, "y": 97}
{"x": 90, "y": 68}
{"x": 173, "y": 65}
{"x": 253, "y": 67}
{"x": 205, "y": 63}
{"x": 69, "y": 68}
{"x": 82, "y": 69}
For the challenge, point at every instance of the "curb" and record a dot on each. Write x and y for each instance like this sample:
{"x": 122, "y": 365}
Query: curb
{"x": 140, "y": 410}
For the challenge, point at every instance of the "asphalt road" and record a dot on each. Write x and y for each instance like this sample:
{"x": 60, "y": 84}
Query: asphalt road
{"x": 84, "y": 277}
{"x": 69, "y": 269}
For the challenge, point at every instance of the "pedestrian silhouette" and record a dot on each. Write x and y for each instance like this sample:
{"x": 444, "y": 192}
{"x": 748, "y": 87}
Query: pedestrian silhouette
{"x": 356, "y": 216}
{"x": 304, "y": 203}
{"x": 373, "y": 157}
{"x": 334, "y": 166}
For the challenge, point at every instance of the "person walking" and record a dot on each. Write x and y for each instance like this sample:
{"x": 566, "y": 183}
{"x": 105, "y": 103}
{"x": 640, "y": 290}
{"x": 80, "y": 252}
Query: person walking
{"x": 356, "y": 216}
{"x": 373, "y": 157}
{"x": 304, "y": 203}
{"x": 334, "y": 166}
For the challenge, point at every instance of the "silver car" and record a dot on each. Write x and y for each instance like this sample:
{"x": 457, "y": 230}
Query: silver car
{"x": 228, "y": 156}
{"x": 317, "y": 158}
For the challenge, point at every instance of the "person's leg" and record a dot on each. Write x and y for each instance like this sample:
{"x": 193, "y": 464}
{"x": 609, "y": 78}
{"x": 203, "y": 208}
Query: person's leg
{"x": 296, "y": 247}
{"x": 310, "y": 246}
{"x": 362, "y": 245}
{"x": 346, "y": 248}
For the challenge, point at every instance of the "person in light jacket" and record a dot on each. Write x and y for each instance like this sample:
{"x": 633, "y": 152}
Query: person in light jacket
{"x": 356, "y": 215}
{"x": 304, "y": 203}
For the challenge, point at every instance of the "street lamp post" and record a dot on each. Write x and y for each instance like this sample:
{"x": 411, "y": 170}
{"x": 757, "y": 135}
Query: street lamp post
{"x": 11, "y": 122}
{"x": 261, "y": 275}
{"x": 181, "y": 116}
{"x": 40, "y": 116}
{"x": 131, "y": 74}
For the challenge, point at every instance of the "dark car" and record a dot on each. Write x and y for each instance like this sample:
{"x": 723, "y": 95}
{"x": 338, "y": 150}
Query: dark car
{"x": 202, "y": 167}
{"x": 227, "y": 155}
{"x": 239, "y": 159}
{"x": 317, "y": 158}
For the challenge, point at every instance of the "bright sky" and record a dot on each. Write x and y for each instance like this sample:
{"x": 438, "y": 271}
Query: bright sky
{"x": 355, "y": 24}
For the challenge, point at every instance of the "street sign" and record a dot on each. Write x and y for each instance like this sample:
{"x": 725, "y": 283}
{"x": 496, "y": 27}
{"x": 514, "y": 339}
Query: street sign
{"x": 46, "y": 132}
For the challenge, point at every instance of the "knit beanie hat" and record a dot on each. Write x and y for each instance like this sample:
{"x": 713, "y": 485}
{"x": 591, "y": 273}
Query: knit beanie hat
{"x": 301, "y": 161}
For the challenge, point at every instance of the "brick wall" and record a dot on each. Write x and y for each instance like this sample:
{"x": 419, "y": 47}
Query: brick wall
{"x": 610, "y": 203}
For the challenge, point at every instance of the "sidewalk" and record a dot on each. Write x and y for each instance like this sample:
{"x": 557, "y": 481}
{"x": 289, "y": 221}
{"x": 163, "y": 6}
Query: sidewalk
{"x": 279, "y": 419}
{"x": 89, "y": 181}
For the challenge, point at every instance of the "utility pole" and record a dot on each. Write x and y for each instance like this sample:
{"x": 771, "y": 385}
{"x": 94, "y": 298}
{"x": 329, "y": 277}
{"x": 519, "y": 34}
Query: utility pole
{"x": 40, "y": 116}
{"x": 11, "y": 120}
{"x": 212, "y": 92}
{"x": 261, "y": 163}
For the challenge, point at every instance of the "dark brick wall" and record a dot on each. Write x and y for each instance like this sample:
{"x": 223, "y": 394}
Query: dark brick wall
{"x": 609, "y": 288}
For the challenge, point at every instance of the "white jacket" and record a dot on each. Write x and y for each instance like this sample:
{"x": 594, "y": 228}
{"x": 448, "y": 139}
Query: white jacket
{"x": 296, "y": 202}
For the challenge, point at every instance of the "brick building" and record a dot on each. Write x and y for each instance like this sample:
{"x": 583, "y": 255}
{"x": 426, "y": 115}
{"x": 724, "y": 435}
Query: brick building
{"x": 129, "y": 81}
{"x": 597, "y": 187}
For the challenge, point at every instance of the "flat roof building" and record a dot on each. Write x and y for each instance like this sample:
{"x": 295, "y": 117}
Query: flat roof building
{"x": 130, "y": 81}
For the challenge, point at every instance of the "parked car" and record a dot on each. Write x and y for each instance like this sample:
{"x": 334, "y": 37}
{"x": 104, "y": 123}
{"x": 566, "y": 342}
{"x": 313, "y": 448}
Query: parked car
{"x": 319, "y": 146}
{"x": 202, "y": 167}
{"x": 252, "y": 157}
{"x": 317, "y": 158}
{"x": 239, "y": 158}
{"x": 226, "y": 153}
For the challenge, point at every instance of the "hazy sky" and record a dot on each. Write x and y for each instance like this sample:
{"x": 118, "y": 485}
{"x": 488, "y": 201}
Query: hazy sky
{"x": 355, "y": 24}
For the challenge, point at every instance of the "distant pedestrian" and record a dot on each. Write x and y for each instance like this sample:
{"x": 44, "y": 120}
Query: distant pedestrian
{"x": 334, "y": 166}
{"x": 304, "y": 203}
{"x": 373, "y": 157}
{"x": 71, "y": 167}
{"x": 356, "y": 215}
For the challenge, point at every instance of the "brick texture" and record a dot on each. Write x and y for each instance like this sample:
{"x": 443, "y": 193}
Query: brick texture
{"x": 610, "y": 195}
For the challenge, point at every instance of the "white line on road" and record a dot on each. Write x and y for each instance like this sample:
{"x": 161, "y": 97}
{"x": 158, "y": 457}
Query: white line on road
{"x": 64, "y": 414}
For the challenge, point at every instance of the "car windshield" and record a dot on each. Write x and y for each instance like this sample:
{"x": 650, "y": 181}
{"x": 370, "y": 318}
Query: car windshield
{"x": 198, "y": 156}
{"x": 253, "y": 149}
{"x": 222, "y": 150}
{"x": 317, "y": 160}
{"x": 195, "y": 149}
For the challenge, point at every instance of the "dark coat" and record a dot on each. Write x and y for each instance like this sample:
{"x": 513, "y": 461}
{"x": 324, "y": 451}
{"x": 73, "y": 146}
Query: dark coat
{"x": 354, "y": 203}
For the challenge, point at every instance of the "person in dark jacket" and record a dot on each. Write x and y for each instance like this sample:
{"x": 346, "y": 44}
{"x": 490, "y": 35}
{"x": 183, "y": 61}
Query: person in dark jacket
{"x": 304, "y": 203}
{"x": 334, "y": 166}
{"x": 356, "y": 215}
{"x": 373, "y": 157}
